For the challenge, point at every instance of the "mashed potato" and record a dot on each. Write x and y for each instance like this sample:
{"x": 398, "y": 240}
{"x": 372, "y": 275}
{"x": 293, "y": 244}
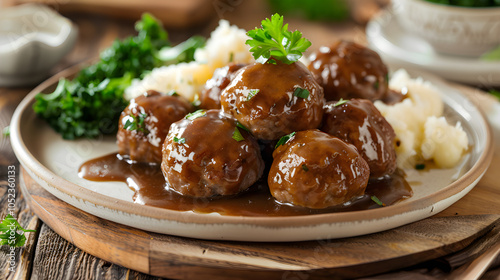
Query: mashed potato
{"x": 421, "y": 131}
{"x": 442, "y": 142}
{"x": 226, "y": 44}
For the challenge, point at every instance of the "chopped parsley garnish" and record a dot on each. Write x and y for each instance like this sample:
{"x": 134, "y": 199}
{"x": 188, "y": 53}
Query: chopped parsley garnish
{"x": 196, "y": 114}
{"x": 274, "y": 40}
{"x": 420, "y": 166}
{"x": 252, "y": 93}
{"x": 305, "y": 168}
{"x": 376, "y": 200}
{"x": 340, "y": 102}
{"x": 237, "y": 135}
{"x": 238, "y": 124}
{"x": 179, "y": 140}
{"x": 284, "y": 139}
{"x": 10, "y": 235}
{"x": 196, "y": 101}
{"x": 301, "y": 92}
{"x": 136, "y": 123}
{"x": 173, "y": 93}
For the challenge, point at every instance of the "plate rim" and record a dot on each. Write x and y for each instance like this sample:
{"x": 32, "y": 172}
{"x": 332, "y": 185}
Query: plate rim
{"x": 82, "y": 194}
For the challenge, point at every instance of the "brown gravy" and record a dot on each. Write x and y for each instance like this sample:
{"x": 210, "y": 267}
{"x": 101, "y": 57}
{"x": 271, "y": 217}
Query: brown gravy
{"x": 151, "y": 189}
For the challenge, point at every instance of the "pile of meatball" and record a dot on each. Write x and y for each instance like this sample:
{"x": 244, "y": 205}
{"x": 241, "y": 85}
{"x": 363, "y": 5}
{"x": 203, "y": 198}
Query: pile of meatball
{"x": 313, "y": 130}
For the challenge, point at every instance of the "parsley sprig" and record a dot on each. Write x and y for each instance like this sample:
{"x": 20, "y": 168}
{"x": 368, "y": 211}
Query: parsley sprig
{"x": 10, "y": 232}
{"x": 274, "y": 41}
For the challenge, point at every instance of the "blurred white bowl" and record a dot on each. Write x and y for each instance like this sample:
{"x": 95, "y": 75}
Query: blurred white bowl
{"x": 33, "y": 38}
{"x": 451, "y": 29}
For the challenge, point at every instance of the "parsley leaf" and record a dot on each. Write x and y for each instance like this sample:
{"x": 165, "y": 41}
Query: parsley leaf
{"x": 237, "y": 135}
{"x": 173, "y": 93}
{"x": 196, "y": 114}
{"x": 179, "y": 140}
{"x": 10, "y": 236}
{"x": 136, "y": 123}
{"x": 252, "y": 93}
{"x": 196, "y": 101}
{"x": 340, "y": 102}
{"x": 238, "y": 124}
{"x": 376, "y": 200}
{"x": 274, "y": 40}
{"x": 284, "y": 139}
{"x": 305, "y": 168}
{"x": 301, "y": 92}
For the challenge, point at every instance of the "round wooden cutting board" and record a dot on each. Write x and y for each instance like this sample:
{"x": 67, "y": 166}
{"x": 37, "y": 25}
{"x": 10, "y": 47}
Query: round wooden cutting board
{"x": 181, "y": 258}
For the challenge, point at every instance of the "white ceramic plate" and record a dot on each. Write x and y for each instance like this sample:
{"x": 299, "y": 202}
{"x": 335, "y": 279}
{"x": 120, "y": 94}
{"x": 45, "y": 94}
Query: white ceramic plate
{"x": 400, "y": 48}
{"x": 53, "y": 163}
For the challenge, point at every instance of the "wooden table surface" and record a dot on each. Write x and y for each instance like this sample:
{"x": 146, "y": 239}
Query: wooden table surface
{"x": 46, "y": 252}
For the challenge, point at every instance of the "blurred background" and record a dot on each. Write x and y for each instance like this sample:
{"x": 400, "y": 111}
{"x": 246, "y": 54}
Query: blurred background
{"x": 98, "y": 22}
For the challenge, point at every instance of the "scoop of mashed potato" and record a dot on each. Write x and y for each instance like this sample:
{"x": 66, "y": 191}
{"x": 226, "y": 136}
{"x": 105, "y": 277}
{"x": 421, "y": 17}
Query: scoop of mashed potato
{"x": 226, "y": 44}
{"x": 442, "y": 142}
{"x": 421, "y": 131}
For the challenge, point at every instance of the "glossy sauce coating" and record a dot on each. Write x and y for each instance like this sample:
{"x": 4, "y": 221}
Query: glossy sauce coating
{"x": 358, "y": 122}
{"x": 157, "y": 112}
{"x": 201, "y": 158}
{"x": 149, "y": 186}
{"x": 348, "y": 70}
{"x": 316, "y": 170}
{"x": 210, "y": 96}
{"x": 274, "y": 110}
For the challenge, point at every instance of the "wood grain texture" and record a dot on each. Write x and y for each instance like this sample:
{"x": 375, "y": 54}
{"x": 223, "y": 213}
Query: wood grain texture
{"x": 184, "y": 258}
{"x": 16, "y": 264}
{"x": 59, "y": 259}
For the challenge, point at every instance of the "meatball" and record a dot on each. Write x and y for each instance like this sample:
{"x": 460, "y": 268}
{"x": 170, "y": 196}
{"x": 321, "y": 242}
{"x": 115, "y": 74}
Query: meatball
{"x": 210, "y": 96}
{"x": 207, "y": 154}
{"x": 144, "y": 124}
{"x": 273, "y": 100}
{"x": 316, "y": 170}
{"x": 358, "y": 122}
{"x": 348, "y": 70}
